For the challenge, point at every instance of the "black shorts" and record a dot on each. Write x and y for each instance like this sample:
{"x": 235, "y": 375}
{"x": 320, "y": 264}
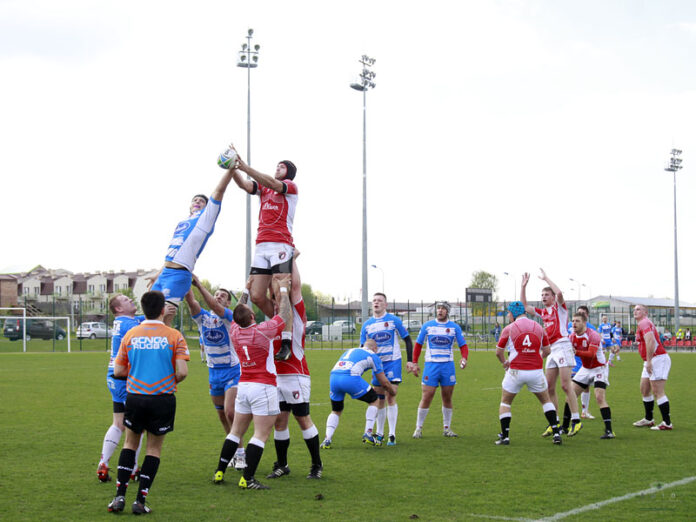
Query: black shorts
{"x": 152, "y": 413}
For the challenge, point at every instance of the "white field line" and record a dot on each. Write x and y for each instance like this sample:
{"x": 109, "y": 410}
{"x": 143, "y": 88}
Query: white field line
{"x": 597, "y": 505}
{"x": 593, "y": 506}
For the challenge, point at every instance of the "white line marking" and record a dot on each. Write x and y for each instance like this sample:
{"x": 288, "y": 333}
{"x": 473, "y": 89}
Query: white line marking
{"x": 494, "y": 517}
{"x": 603, "y": 503}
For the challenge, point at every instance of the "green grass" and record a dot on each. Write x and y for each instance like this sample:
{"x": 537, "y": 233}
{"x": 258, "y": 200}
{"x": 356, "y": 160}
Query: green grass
{"x": 54, "y": 410}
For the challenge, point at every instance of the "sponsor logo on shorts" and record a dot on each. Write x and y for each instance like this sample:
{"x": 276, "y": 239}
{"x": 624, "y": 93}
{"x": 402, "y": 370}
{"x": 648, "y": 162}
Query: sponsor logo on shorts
{"x": 296, "y": 395}
{"x": 165, "y": 428}
{"x": 281, "y": 256}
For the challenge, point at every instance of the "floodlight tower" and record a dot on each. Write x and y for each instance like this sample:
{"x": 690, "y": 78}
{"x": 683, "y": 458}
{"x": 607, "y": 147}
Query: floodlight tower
{"x": 674, "y": 165}
{"x": 249, "y": 59}
{"x": 364, "y": 83}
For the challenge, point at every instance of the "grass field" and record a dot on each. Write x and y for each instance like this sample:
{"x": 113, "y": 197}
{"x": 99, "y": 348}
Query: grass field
{"x": 54, "y": 410}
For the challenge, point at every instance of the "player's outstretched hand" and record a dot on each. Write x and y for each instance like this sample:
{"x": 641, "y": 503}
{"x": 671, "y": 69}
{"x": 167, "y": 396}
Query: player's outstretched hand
{"x": 525, "y": 278}
{"x": 542, "y": 275}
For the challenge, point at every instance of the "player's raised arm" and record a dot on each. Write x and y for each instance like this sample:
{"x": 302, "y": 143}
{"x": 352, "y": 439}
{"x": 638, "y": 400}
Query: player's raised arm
{"x": 193, "y": 305}
{"x": 215, "y": 307}
{"x": 260, "y": 178}
{"x": 556, "y": 290}
{"x": 221, "y": 187}
{"x": 523, "y": 295}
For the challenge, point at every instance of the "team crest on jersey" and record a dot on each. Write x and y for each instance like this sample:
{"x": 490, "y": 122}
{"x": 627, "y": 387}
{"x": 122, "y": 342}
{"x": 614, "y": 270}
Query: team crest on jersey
{"x": 584, "y": 344}
{"x": 447, "y": 330}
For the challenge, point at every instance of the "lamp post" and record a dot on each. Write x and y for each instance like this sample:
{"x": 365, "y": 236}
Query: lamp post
{"x": 248, "y": 58}
{"x": 364, "y": 83}
{"x": 378, "y": 268}
{"x": 673, "y": 167}
{"x": 579, "y": 285}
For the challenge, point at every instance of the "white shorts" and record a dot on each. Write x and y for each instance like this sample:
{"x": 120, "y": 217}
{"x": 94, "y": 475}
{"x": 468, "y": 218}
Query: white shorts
{"x": 562, "y": 355}
{"x": 268, "y": 255}
{"x": 294, "y": 389}
{"x": 256, "y": 398}
{"x": 589, "y": 376}
{"x": 514, "y": 380}
{"x": 661, "y": 365}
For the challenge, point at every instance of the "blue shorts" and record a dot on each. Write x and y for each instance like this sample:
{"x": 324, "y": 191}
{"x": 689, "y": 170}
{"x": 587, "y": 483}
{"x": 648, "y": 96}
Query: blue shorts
{"x": 222, "y": 379}
{"x": 392, "y": 370}
{"x": 117, "y": 387}
{"x": 439, "y": 373}
{"x": 576, "y": 368}
{"x": 606, "y": 343}
{"x": 353, "y": 385}
{"x": 174, "y": 283}
{"x": 616, "y": 342}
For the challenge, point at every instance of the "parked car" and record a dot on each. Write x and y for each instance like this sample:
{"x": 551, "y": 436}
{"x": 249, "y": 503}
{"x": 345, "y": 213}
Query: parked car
{"x": 346, "y": 326}
{"x": 91, "y": 331}
{"x": 37, "y": 328}
{"x": 412, "y": 325}
{"x": 313, "y": 327}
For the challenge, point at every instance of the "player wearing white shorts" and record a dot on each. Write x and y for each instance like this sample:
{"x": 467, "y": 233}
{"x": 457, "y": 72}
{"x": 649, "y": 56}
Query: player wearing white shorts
{"x": 594, "y": 370}
{"x": 562, "y": 358}
{"x": 294, "y": 388}
{"x": 274, "y": 242}
{"x": 526, "y": 343}
{"x": 655, "y": 371}
{"x": 257, "y": 396}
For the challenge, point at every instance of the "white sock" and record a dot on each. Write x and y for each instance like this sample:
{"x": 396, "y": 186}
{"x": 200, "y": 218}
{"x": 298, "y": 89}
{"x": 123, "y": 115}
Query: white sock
{"x": 611, "y": 356}
{"x": 137, "y": 453}
{"x": 446, "y": 417}
{"x": 111, "y": 440}
{"x": 392, "y": 414}
{"x": 585, "y": 400}
{"x": 370, "y": 415}
{"x": 381, "y": 419}
{"x": 422, "y": 414}
{"x": 331, "y": 424}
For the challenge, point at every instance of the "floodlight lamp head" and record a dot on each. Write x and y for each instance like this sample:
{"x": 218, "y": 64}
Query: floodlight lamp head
{"x": 244, "y": 47}
{"x": 257, "y": 47}
{"x": 242, "y": 57}
{"x": 358, "y": 86}
{"x": 250, "y": 32}
{"x": 255, "y": 58}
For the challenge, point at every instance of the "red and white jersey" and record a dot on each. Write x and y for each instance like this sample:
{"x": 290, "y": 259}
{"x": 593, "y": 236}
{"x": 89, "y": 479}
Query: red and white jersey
{"x": 297, "y": 363}
{"x": 254, "y": 346}
{"x": 277, "y": 214}
{"x": 587, "y": 348}
{"x": 555, "y": 321}
{"x": 525, "y": 339}
{"x": 645, "y": 326}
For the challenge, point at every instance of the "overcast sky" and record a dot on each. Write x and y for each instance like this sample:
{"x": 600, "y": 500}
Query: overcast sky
{"x": 502, "y": 136}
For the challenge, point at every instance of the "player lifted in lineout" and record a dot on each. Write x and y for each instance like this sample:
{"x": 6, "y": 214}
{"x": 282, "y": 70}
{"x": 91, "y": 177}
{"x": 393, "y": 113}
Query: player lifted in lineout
{"x": 274, "y": 243}
{"x": 187, "y": 243}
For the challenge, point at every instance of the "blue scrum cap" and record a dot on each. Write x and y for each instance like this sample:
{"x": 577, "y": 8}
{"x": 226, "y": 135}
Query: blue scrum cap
{"x": 516, "y": 308}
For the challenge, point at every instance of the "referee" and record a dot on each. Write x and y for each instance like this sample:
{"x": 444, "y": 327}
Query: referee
{"x": 153, "y": 358}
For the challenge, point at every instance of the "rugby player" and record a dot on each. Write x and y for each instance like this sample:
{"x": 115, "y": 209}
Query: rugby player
{"x": 124, "y": 310}
{"x": 593, "y": 372}
{"x": 440, "y": 335}
{"x": 383, "y": 327}
{"x": 346, "y": 378}
{"x": 526, "y": 343}
{"x": 274, "y": 243}
{"x": 562, "y": 358}
{"x": 257, "y": 397}
{"x": 656, "y": 366}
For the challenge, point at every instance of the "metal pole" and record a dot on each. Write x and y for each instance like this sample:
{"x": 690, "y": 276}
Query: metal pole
{"x": 247, "y": 264}
{"x": 363, "y": 311}
{"x": 676, "y": 266}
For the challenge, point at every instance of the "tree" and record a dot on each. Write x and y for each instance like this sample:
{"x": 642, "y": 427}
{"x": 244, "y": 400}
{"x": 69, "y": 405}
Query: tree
{"x": 482, "y": 279}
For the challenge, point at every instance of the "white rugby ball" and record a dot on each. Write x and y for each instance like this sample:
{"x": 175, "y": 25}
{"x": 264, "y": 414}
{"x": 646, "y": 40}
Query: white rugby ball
{"x": 226, "y": 159}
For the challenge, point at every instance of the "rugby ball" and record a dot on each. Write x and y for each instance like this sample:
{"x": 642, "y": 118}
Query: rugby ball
{"x": 226, "y": 159}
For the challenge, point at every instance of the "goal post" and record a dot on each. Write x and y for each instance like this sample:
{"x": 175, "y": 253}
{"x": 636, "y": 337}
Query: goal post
{"x": 26, "y": 333}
